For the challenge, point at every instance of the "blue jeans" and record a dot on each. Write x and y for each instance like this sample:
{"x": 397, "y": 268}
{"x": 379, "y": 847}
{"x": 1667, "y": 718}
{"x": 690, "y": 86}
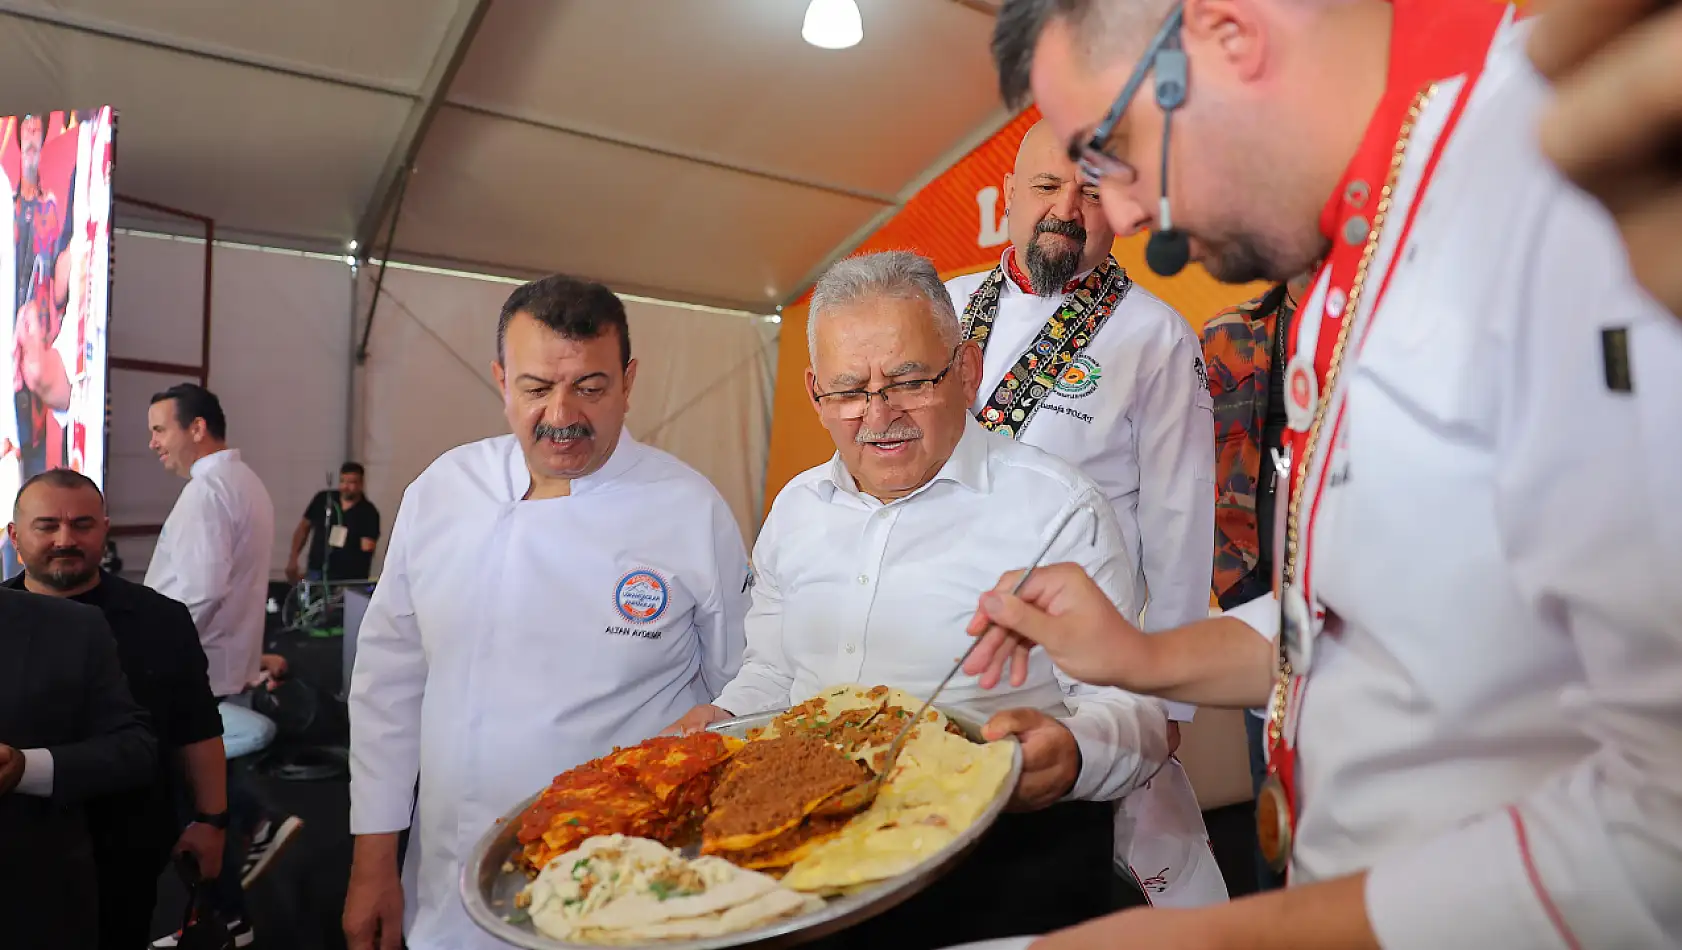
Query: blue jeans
{"x": 1256, "y": 730}
{"x": 244, "y": 733}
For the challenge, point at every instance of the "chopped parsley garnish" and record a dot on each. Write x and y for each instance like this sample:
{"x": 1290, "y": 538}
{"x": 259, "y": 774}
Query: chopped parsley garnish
{"x": 572, "y": 821}
{"x": 518, "y": 917}
{"x": 664, "y": 889}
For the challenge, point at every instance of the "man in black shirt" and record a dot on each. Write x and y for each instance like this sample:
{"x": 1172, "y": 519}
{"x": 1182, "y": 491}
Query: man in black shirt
{"x": 59, "y": 527}
{"x": 342, "y": 528}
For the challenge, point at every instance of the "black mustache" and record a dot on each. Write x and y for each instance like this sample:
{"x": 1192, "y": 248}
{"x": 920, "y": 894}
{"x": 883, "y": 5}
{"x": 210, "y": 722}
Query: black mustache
{"x": 1069, "y": 229}
{"x": 578, "y": 430}
{"x": 67, "y": 552}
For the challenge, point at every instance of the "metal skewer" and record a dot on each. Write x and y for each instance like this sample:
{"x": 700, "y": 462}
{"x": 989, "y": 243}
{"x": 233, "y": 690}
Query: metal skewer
{"x": 860, "y": 797}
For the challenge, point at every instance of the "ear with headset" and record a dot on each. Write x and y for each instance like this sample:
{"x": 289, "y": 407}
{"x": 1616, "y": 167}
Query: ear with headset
{"x": 1169, "y": 249}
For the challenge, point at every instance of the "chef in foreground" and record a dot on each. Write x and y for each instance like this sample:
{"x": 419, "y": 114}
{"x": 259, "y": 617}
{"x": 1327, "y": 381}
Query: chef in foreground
{"x": 868, "y": 567}
{"x": 1474, "y": 697}
{"x": 1082, "y": 362}
{"x": 547, "y": 595}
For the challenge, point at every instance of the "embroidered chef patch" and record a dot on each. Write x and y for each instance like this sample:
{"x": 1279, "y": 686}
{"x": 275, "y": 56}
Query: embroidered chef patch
{"x": 1202, "y": 373}
{"x": 1079, "y": 378}
{"x": 641, "y": 596}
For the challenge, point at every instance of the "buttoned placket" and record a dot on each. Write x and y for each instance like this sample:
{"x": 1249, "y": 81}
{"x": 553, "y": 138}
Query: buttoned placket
{"x": 851, "y": 646}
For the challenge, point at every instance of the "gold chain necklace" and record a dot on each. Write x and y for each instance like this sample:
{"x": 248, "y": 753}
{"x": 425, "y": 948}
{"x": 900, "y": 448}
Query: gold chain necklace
{"x": 1293, "y": 522}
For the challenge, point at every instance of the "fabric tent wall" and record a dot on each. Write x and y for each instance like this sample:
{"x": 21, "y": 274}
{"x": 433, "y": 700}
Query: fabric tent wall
{"x": 957, "y": 220}
{"x": 280, "y": 345}
{"x": 703, "y": 390}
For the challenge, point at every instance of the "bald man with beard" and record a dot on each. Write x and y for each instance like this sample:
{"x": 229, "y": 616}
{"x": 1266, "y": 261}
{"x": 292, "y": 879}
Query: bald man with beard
{"x": 1081, "y": 362}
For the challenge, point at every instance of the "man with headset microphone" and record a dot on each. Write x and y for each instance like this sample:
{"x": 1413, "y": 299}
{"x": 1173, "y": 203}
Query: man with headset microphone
{"x": 1472, "y": 695}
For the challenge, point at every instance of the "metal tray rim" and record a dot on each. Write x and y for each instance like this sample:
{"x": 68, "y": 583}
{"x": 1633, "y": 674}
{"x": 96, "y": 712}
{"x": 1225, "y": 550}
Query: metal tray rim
{"x": 837, "y": 914}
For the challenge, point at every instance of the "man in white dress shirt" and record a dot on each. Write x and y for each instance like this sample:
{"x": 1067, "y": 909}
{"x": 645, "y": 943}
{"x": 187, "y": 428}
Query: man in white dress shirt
{"x": 546, "y": 596}
{"x": 1476, "y": 712}
{"x": 1085, "y": 364}
{"x": 867, "y": 569}
{"x": 213, "y": 555}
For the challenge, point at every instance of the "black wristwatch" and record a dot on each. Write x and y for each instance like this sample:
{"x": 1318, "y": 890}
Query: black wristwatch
{"x": 218, "y": 820}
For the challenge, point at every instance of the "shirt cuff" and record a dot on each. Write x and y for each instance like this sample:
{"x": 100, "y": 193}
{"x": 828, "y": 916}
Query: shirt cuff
{"x": 1467, "y": 888}
{"x": 1109, "y": 770}
{"x": 1260, "y": 615}
{"x": 37, "y": 777}
{"x": 1179, "y": 712}
{"x": 743, "y": 701}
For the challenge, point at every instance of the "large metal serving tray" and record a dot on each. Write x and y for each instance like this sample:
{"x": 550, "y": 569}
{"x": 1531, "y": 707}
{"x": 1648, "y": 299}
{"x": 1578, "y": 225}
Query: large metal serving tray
{"x": 488, "y": 891}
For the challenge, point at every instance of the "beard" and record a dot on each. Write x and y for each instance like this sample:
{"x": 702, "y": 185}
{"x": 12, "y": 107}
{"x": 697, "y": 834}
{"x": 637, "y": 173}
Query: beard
{"x": 1243, "y": 258}
{"x": 1048, "y": 271}
{"x": 63, "y": 573}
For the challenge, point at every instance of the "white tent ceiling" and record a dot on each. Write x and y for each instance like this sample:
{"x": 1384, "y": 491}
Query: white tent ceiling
{"x": 694, "y": 150}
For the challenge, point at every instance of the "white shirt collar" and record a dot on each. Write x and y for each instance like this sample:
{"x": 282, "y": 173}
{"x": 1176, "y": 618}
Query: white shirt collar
{"x": 208, "y": 462}
{"x": 626, "y": 453}
{"x": 967, "y": 466}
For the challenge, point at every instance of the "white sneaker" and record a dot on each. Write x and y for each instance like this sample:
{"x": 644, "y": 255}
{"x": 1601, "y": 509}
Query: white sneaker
{"x": 240, "y": 934}
{"x": 266, "y": 842}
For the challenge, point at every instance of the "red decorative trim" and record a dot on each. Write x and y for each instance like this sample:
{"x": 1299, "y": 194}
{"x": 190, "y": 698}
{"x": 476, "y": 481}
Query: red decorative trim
{"x": 1536, "y": 882}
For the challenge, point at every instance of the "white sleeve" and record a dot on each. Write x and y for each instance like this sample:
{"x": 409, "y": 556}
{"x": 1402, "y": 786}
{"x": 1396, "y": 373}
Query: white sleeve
{"x": 1175, "y": 429}
{"x": 766, "y": 677}
{"x": 386, "y": 687}
{"x": 1260, "y": 615}
{"x": 719, "y": 622}
{"x": 201, "y": 549}
{"x": 1591, "y": 857}
{"x": 65, "y": 346}
{"x": 1123, "y": 737}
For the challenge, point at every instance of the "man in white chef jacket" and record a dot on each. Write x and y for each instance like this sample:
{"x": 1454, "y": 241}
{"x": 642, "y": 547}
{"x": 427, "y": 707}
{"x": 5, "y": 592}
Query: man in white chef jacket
{"x": 546, "y": 596}
{"x": 1089, "y": 366}
{"x": 868, "y": 567}
{"x": 1481, "y": 709}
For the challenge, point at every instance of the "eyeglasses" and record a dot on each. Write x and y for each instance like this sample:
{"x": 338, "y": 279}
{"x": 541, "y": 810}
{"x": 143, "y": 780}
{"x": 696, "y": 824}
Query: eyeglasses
{"x": 1165, "y": 56}
{"x": 904, "y": 396}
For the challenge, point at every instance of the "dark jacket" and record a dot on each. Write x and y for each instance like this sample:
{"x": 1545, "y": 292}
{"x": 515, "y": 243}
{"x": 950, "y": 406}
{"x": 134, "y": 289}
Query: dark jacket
{"x": 61, "y": 689}
{"x": 158, "y": 649}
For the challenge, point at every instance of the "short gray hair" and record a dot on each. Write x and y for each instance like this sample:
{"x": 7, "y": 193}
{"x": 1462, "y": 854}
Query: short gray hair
{"x": 900, "y": 274}
{"x": 1107, "y": 28}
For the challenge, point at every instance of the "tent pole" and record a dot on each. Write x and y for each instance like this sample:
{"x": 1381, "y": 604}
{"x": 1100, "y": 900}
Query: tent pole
{"x": 379, "y": 279}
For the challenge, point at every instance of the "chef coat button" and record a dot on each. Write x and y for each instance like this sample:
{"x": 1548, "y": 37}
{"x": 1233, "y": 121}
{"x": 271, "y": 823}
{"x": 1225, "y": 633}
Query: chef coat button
{"x": 1356, "y": 194}
{"x": 1355, "y": 229}
{"x": 864, "y": 579}
{"x": 851, "y": 648}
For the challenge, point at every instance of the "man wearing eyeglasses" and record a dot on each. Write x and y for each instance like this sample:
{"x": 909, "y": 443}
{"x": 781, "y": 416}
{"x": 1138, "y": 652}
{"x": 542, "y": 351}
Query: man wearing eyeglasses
{"x": 1080, "y": 361}
{"x": 1471, "y": 659}
{"x": 869, "y": 565}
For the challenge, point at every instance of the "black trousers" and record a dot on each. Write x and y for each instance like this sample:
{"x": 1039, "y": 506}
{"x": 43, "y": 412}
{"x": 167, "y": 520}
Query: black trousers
{"x": 1033, "y": 873}
{"x": 128, "y": 893}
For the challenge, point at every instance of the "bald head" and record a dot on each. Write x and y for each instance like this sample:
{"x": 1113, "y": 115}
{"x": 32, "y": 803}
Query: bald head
{"x": 1055, "y": 222}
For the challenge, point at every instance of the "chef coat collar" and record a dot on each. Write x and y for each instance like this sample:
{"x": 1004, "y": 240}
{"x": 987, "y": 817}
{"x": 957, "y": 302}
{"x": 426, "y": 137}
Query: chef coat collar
{"x": 213, "y": 460}
{"x": 626, "y": 453}
{"x": 967, "y": 467}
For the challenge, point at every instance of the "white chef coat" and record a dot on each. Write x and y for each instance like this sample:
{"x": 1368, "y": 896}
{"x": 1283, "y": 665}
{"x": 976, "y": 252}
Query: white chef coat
{"x": 213, "y": 556}
{"x": 510, "y": 640}
{"x": 1492, "y": 721}
{"x": 1145, "y": 434}
{"x": 850, "y": 590}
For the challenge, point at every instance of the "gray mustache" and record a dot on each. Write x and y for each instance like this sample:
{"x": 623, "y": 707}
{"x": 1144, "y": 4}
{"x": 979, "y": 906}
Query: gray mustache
{"x": 900, "y": 431}
{"x": 578, "y": 430}
{"x": 1070, "y": 229}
